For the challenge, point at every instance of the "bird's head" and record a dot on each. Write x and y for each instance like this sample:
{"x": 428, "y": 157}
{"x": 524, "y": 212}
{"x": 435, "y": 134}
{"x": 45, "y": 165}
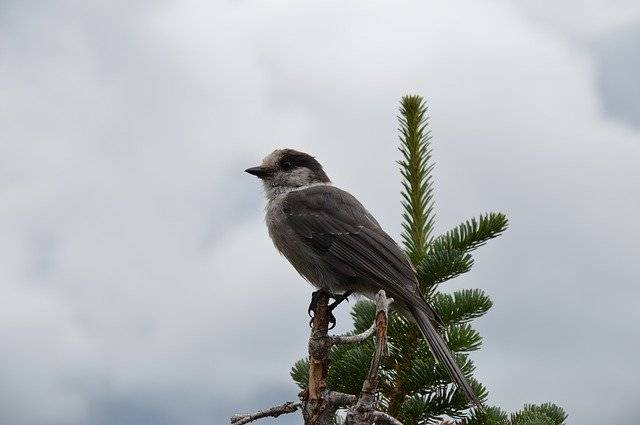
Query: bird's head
{"x": 285, "y": 169}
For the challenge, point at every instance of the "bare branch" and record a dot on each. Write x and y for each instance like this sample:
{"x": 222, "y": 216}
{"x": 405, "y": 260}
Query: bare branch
{"x": 384, "y": 418}
{"x": 316, "y": 406}
{"x": 363, "y": 413}
{"x": 319, "y": 346}
{"x": 382, "y": 311}
{"x": 341, "y": 399}
{"x": 350, "y": 339}
{"x": 319, "y": 404}
{"x": 274, "y": 412}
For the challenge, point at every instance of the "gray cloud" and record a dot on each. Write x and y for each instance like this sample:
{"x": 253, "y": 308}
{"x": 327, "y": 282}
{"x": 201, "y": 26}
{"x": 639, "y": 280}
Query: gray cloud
{"x": 608, "y": 34}
{"x": 618, "y": 64}
{"x": 578, "y": 20}
{"x": 138, "y": 281}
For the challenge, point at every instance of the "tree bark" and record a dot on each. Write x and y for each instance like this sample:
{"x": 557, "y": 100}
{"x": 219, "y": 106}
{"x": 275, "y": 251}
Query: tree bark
{"x": 316, "y": 408}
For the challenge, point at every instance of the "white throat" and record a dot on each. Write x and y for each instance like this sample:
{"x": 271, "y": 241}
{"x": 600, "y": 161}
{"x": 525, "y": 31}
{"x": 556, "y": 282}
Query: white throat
{"x": 275, "y": 192}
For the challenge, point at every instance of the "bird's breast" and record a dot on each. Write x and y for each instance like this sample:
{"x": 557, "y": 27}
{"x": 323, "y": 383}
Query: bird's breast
{"x": 292, "y": 247}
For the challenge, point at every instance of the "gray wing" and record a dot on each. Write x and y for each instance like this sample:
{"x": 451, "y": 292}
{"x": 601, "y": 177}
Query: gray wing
{"x": 350, "y": 241}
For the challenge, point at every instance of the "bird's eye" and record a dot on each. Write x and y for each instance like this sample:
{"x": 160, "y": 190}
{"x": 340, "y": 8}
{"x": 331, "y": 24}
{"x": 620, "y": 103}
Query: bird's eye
{"x": 286, "y": 165}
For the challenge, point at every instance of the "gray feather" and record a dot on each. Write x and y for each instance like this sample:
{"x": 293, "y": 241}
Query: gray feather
{"x": 334, "y": 242}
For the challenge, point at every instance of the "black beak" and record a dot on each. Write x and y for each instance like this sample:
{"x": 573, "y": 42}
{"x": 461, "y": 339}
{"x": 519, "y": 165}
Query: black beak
{"x": 260, "y": 172}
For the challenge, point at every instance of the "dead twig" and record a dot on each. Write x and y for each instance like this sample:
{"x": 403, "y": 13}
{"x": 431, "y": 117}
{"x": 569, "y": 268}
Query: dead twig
{"x": 319, "y": 347}
{"x": 274, "y": 412}
{"x": 318, "y": 404}
{"x": 363, "y": 412}
{"x": 351, "y": 339}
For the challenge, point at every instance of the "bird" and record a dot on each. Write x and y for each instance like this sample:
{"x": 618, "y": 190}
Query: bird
{"x": 333, "y": 242}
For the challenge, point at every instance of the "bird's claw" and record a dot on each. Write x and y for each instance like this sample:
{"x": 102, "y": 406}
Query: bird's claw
{"x": 337, "y": 300}
{"x": 313, "y": 304}
{"x": 332, "y": 320}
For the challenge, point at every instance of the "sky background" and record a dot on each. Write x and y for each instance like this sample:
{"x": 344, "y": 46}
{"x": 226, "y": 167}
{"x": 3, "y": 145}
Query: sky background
{"x": 137, "y": 281}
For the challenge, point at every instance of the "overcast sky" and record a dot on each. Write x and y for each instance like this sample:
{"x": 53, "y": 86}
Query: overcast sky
{"x": 138, "y": 285}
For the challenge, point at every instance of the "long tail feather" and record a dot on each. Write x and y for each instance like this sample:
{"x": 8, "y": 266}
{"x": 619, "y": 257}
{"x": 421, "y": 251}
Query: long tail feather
{"x": 441, "y": 352}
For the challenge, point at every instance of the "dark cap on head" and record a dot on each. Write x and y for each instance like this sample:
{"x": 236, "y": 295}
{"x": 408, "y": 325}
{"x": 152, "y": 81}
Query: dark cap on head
{"x": 288, "y": 161}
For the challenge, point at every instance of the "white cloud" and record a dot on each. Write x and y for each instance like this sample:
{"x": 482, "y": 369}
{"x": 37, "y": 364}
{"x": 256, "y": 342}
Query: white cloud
{"x": 137, "y": 273}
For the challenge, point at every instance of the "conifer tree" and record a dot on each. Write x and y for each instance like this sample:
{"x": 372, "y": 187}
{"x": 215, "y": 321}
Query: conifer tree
{"x": 413, "y": 387}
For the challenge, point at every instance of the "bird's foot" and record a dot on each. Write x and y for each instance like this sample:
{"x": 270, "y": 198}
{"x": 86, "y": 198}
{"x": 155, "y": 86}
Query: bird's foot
{"x": 313, "y": 304}
{"x": 337, "y": 300}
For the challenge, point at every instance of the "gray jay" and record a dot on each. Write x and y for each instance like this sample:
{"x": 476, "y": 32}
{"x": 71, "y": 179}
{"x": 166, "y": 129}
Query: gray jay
{"x": 339, "y": 247}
